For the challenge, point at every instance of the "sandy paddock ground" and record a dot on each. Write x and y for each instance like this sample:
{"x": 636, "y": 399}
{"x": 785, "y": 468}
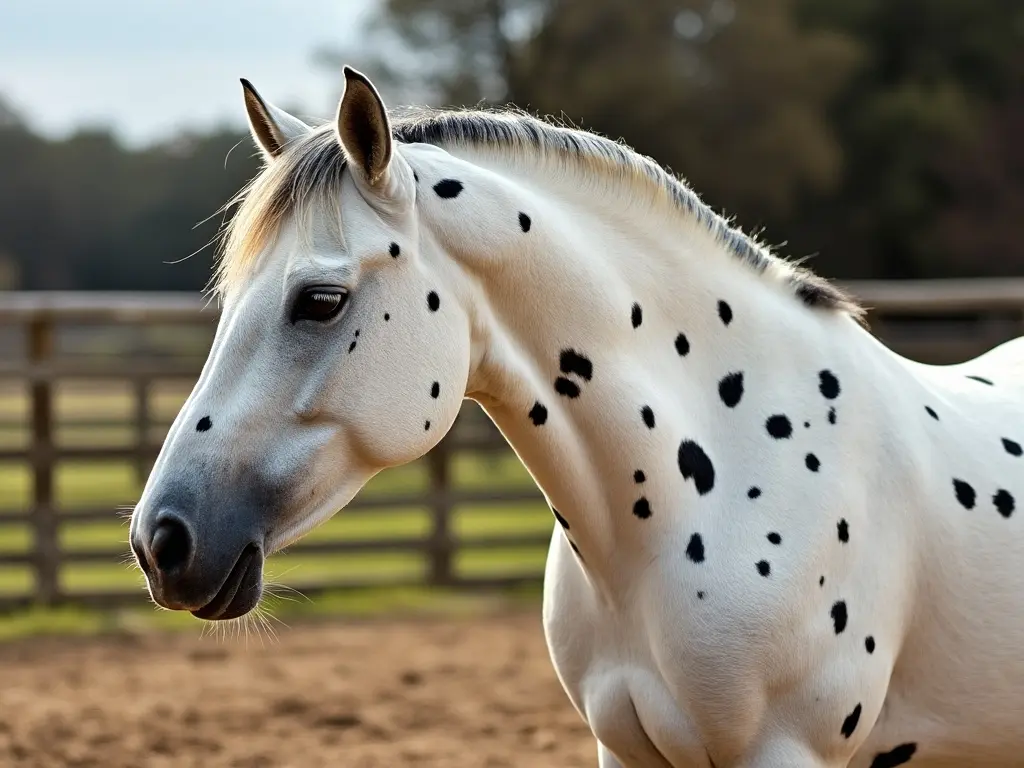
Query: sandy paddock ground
{"x": 463, "y": 692}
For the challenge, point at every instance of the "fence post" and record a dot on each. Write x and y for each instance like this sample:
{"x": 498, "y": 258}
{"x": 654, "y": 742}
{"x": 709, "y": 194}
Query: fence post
{"x": 40, "y": 351}
{"x": 439, "y": 572}
{"x": 142, "y": 462}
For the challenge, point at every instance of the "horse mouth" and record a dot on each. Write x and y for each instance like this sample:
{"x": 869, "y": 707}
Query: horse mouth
{"x": 240, "y": 591}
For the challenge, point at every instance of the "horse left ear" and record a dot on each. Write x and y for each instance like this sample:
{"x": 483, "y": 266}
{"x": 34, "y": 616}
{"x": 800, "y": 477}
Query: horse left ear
{"x": 364, "y": 129}
{"x": 272, "y": 128}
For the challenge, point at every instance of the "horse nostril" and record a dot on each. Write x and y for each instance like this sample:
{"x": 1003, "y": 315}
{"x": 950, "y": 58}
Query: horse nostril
{"x": 140, "y": 554}
{"x": 171, "y": 546}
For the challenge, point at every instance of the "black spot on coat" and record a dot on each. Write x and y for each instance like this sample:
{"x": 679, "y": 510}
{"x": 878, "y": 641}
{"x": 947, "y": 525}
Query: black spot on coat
{"x": 828, "y": 384}
{"x": 844, "y": 530}
{"x": 730, "y": 389}
{"x": 435, "y": 390}
{"x": 850, "y": 723}
{"x": 725, "y": 312}
{"x": 964, "y": 493}
{"x": 639, "y": 476}
{"x": 538, "y": 414}
{"x": 983, "y": 381}
{"x": 753, "y": 492}
{"x": 869, "y": 644}
{"x": 779, "y": 427}
{"x": 642, "y": 508}
{"x": 394, "y": 250}
{"x": 433, "y": 301}
{"x": 1012, "y": 447}
{"x": 695, "y": 549}
{"x": 682, "y": 345}
{"x": 351, "y": 347}
{"x": 524, "y": 222}
{"x": 448, "y": 188}
{"x": 648, "y": 416}
{"x": 571, "y": 361}
{"x": 694, "y": 463}
{"x": 831, "y": 415}
{"x": 1004, "y": 502}
{"x": 839, "y": 617}
{"x": 931, "y": 412}
{"x": 812, "y": 462}
{"x": 764, "y": 568}
{"x": 636, "y": 316}
{"x": 774, "y": 538}
{"x": 203, "y": 424}
{"x": 899, "y": 756}
{"x": 566, "y": 388}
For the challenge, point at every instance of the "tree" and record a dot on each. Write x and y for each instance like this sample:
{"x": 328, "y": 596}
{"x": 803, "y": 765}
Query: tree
{"x": 9, "y": 116}
{"x": 978, "y": 230}
{"x": 86, "y": 213}
{"x": 914, "y": 120}
{"x": 444, "y": 52}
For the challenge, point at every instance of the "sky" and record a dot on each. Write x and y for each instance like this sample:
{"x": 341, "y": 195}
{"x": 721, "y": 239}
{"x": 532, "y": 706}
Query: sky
{"x": 149, "y": 68}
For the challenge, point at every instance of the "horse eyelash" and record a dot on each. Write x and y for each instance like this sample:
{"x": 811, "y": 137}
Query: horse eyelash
{"x": 326, "y": 297}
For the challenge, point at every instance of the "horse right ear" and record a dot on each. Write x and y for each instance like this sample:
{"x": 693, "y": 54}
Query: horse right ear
{"x": 272, "y": 128}
{"x": 364, "y": 129}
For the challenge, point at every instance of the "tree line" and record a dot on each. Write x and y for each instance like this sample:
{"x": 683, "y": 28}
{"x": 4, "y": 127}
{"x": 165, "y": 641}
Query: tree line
{"x": 881, "y": 138}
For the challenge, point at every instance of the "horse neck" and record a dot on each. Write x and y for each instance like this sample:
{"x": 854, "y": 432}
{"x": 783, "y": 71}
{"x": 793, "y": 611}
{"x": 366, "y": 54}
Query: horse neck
{"x": 633, "y": 308}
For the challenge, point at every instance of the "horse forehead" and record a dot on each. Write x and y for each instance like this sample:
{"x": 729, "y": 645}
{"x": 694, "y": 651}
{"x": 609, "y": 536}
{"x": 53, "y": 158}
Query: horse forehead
{"x": 328, "y": 231}
{"x": 316, "y": 245}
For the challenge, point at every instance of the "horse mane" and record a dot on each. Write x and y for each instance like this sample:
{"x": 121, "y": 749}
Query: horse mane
{"x": 309, "y": 173}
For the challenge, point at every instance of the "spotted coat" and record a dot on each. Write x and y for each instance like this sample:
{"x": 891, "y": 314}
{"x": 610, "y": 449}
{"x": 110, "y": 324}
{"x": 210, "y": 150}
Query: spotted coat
{"x": 776, "y": 542}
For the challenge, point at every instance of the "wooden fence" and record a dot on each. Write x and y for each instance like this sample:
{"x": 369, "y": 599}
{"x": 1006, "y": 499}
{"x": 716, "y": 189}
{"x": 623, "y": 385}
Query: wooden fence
{"x": 138, "y": 342}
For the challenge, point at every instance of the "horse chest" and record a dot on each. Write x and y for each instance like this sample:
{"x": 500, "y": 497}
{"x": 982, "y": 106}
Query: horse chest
{"x": 608, "y": 676}
{"x": 657, "y": 693}
{"x": 688, "y": 669}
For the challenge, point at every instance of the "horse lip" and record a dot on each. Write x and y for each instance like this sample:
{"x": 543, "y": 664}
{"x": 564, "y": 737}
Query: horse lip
{"x": 223, "y": 601}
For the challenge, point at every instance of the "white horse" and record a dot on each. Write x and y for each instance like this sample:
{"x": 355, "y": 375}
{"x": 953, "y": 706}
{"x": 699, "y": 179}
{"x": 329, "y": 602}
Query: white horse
{"x": 778, "y": 542}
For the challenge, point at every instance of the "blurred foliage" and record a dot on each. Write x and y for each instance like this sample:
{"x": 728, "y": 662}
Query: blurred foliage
{"x": 86, "y": 213}
{"x": 931, "y": 185}
{"x": 881, "y": 136}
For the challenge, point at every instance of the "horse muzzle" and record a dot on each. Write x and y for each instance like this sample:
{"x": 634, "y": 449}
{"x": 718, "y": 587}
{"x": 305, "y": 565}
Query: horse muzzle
{"x": 212, "y": 581}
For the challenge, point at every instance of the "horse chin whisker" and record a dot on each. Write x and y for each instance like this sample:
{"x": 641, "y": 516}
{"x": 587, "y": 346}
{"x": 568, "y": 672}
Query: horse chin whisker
{"x": 277, "y": 590}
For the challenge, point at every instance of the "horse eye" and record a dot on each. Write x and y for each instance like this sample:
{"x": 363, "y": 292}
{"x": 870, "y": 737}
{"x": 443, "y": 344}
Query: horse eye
{"x": 319, "y": 304}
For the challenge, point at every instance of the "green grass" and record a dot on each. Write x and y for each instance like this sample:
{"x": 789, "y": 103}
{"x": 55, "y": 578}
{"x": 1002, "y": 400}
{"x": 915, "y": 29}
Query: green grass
{"x": 113, "y": 484}
{"x": 353, "y": 604}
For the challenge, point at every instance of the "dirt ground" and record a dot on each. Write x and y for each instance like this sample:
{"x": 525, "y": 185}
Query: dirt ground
{"x": 464, "y": 692}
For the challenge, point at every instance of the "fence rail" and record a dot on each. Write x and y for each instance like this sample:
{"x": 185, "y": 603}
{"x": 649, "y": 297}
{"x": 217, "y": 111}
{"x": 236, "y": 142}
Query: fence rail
{"x": 50, "y": 339}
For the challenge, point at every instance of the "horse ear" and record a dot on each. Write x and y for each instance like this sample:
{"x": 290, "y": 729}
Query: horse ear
{"x": 363, "y": 128}
{"x": 271, "y": 128}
